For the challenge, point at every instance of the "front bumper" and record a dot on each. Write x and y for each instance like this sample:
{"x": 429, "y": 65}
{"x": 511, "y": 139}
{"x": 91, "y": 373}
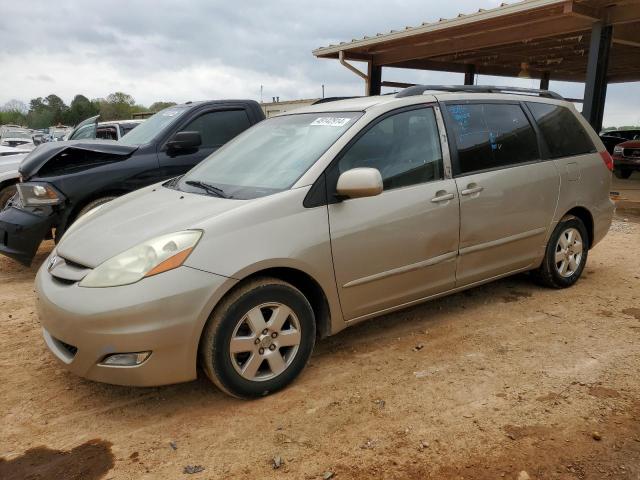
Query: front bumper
{"x": 163, "y": 314}
{"x": 626, "y": 162}
{"x": 23, "y": 229}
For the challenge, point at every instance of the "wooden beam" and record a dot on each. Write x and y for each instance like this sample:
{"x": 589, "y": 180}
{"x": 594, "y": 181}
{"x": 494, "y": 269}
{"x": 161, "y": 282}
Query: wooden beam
{"x": 582, "y": 11}
{"x": 625, "y": 13}
{"x": 387, "y": 83}
{"x": 627, "y": 34}
{"x": 483, "y": 39}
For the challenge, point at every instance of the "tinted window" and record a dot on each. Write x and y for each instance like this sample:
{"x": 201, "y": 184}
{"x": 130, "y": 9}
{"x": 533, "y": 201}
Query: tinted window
{"x": 492, "y": 135}
{"x": 404, "y": 147}
{"x": 217, "y": 128}
{"x": 564, "y": 134}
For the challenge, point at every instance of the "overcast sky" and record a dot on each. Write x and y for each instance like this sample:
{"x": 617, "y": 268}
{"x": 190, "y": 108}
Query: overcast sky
{"x": 202, "y": 49}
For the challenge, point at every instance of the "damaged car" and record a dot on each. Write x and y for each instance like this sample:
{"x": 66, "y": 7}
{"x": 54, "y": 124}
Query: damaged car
{"x": 61, "y": 181}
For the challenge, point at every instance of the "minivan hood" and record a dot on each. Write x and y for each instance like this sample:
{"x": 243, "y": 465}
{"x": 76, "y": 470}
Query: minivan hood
{"x": 51, "y": 150}
{"x": 134, "y": 218}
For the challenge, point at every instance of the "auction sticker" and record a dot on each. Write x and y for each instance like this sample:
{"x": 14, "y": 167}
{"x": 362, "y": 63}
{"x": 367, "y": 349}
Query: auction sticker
{"x": 331, "y": 121}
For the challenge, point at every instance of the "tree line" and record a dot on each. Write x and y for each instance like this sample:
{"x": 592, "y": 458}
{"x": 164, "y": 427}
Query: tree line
{"x": 43, "y": 112}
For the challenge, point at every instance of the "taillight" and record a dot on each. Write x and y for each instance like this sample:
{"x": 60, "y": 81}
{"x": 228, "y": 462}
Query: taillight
{"x": 607, "y": 159}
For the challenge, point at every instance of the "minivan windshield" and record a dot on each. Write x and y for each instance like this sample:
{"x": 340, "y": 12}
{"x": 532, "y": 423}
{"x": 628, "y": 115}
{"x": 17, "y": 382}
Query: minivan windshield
{"x": 269, "y": 157}
{"x": 147, "y": 131}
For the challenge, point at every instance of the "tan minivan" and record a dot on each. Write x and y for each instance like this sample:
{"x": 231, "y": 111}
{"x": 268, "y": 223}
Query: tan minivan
{"x": 320, "y": 218}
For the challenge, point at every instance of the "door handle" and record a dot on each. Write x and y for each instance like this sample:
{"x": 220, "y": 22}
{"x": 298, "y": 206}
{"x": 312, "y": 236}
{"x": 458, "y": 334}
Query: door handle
{"x": 444, "y": 197}
{"x": 471, "y": 189}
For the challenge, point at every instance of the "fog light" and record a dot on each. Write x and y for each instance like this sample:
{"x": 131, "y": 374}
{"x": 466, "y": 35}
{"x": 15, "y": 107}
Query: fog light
{"x": 125, "y": 359}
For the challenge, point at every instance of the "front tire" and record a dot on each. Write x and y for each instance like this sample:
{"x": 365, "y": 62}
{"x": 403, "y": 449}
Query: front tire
{"x": 258, "y": 339}
{"x": 623, "y": 173}
{"x": 565, "y": 255}
{"x": 95, "y": 203}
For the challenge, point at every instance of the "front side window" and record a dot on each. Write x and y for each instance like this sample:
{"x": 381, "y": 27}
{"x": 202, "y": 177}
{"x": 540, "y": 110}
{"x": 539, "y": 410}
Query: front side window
{"x": 270, "y": 156}
{"x": 404, "y": 147}
{"x": 563, "y": 132}
{"x": 491, "y": 136}
{"x": 217, "y": 128}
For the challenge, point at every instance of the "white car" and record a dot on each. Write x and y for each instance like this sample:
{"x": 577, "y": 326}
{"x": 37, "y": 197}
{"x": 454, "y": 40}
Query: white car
{"x": 91, "y": 128}
{"x": 13, "y": 137}
{"x": 9, "y": 175}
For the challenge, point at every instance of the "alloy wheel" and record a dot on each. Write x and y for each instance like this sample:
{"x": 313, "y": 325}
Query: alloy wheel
{"x": 569, "y": 250}
{"x": 265, "y": 341}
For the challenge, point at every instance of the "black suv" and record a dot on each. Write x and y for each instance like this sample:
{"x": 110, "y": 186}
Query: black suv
{"x": 61, "y": 181}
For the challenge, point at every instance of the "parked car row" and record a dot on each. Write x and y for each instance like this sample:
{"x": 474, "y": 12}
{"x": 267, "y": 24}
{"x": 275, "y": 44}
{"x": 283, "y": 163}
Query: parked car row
{"x": 302, "y": 225}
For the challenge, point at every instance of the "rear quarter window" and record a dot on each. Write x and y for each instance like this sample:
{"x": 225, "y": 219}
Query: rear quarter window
{"x": 562, "y": 131}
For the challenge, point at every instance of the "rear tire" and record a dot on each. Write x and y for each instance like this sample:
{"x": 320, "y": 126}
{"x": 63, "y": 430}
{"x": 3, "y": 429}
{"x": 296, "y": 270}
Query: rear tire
{"x": 258, "y": 339}
{"x": 96, "y": 203}
{"x": 623, "y": 172}
{"x": 565, "y": 255}
{"x": 6, "y": 194}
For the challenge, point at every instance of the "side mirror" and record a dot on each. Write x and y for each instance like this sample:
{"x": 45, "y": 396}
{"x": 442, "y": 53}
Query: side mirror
{"x": 185, "y": 141}
{"x": 360, "y": 182}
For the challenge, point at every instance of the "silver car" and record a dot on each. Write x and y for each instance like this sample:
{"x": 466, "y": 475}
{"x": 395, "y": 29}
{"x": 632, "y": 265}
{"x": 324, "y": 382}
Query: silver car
{"x": 317, "y": 219}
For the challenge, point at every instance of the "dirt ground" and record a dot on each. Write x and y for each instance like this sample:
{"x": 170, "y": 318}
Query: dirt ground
{"x": 509, "y": 380}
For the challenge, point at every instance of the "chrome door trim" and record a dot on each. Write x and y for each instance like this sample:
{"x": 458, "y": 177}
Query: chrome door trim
{"x": 502, "y": 241}
{"x": 404, "y": 269}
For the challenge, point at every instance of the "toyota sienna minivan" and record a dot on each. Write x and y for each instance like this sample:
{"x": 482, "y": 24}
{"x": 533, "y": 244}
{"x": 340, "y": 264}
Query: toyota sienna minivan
{"x": 317, "y": 219}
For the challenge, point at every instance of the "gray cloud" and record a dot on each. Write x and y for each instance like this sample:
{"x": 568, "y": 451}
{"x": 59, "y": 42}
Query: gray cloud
{"x": 174, "y": 50}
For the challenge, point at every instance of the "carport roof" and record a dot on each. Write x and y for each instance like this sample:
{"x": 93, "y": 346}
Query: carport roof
{"x": 548, "y": 36}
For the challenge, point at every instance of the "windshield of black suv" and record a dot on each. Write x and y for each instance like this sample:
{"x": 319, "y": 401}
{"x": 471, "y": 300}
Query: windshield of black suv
{"x": 147, "y": 131}
{"x": 269, "y": 157}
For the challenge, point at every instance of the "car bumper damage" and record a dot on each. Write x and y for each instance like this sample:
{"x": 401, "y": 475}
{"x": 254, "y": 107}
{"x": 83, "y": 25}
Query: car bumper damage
{"x": 22, "y": 229}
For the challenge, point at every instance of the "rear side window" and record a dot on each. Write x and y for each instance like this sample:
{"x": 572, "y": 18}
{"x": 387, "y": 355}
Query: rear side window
{"x": 404, "y": 147}
{"x": 217, "y": 128}
{"x": 492, "y": 136}
{"x": 564, "y": 134}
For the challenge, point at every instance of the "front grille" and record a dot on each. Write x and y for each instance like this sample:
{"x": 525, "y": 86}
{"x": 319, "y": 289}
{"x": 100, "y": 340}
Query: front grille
{"x": 631, "y": 152}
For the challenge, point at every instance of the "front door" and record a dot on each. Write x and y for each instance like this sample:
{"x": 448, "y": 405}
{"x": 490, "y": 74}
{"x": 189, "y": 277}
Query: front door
{"x": 507, "y": 194}
{"x": 216, "y": 127}
{"x": 401, "y": 245}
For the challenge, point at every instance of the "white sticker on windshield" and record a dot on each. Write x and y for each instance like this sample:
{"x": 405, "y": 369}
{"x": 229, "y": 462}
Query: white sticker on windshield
{"x": 331, "y": 121}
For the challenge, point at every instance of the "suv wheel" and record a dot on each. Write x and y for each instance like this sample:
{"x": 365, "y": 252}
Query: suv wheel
{"x": 622, "y": 172}
{"x": 258, "y": 339}
{"x": 566, "y": 254}
{"x": 6, "y": 194}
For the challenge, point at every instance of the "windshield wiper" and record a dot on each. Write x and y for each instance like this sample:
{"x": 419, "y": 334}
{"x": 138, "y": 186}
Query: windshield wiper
{"x": 218, "y": 192}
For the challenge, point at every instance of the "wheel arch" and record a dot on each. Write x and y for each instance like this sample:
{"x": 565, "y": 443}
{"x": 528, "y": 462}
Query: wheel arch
{"x": 304, "y": 282}
{"x": 7, "y": 182}
{"x": 73, "y": 214}
{"x": 587, "y": 218}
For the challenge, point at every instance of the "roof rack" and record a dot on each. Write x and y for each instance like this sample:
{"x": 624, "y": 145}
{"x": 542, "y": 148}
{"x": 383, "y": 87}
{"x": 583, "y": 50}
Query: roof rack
{"x": 420, "y": 89}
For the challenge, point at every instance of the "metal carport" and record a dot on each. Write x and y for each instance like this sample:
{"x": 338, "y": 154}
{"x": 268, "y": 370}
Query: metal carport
{"x": 591, "y": 41}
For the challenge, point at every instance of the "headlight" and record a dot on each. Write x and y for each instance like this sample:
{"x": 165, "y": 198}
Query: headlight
{"x": 37, "y": 194}
{"x": 617, "y": 150}
{"x": 149, "y": 258}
